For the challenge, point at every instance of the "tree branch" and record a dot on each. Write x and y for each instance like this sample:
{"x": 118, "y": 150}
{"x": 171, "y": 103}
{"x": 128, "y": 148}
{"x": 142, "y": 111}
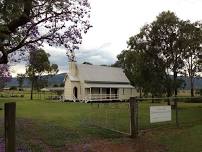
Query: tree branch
{"x": 23, "y": 19}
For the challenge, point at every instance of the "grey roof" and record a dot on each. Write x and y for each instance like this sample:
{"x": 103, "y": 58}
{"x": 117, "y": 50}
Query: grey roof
{"x": 95, "y": 73}
{"x": 53, "y": 89}
{"x": 95, "y": 85}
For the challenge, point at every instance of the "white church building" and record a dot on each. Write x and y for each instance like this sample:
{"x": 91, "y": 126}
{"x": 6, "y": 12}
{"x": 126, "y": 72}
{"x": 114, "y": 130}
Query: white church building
{"x": 87, "y": 83}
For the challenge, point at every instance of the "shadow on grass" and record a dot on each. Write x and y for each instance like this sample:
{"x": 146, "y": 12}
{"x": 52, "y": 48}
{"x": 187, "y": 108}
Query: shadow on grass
{"x": 38, "y": 136}
{"x": 32, "y": 135}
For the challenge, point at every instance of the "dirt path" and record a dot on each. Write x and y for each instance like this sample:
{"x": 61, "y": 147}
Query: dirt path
{"x": 142, "y": 144}
{"x": 125, "y": 145}
{"x": 2, "y": 145}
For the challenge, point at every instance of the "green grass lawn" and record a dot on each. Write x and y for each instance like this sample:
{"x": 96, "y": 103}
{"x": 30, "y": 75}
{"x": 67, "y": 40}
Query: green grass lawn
{"x": 43, "y": 124}
{"x": 188, "y": 139}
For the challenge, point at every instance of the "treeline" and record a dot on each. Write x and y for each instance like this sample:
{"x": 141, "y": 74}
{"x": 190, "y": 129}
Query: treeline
{"x": 167, "y": 46}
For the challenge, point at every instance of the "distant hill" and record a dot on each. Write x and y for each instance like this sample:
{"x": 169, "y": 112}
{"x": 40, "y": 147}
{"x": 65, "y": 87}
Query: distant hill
{"x": 57, "y": 79}
{"x": 197, "y": 82}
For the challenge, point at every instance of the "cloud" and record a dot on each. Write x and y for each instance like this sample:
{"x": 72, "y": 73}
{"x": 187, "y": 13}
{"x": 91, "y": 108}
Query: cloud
{"x": 18, "y": 68}
{"x": 97, "y": 56}
{"x": 100, "y": 55}
{"x": 114, "y": 21}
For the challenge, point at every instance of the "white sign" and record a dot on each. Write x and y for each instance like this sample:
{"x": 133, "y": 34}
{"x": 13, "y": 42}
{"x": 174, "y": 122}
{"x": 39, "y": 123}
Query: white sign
{"x": 160, "y": 113}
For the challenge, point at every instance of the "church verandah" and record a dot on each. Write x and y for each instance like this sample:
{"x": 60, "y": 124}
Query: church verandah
{"x": 101, "y": 94}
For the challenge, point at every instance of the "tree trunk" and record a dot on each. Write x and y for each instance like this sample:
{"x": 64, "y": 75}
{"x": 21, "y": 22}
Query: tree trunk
{"x": 168, "y": 95}
{"x": 168, "y": 102}
{"x": 192, "y": 86}
{"x": 152, "y": 98}
{"x": 4, "y": 57}
{"x": 32, "y": 88}
{"x": 175, "y": 85}
{"x": 140, "y": 93}
{"x": 191, "y": 78}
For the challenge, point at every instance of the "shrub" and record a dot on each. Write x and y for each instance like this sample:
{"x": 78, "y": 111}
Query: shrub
{"x": 13, "y": 88}
{"x": 193, "y": 100}
{"x": 55, "y": 85}
{"x": 199, "y": 92}
{"x": 21, "y": 89}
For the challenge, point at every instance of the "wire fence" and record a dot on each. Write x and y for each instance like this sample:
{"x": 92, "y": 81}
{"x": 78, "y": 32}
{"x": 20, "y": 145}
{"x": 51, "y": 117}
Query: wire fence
{"x": 184, "y": 111}
{"x": 37, "y": 95}
{"x": 117, "y": 116}
{"x": 12, "y": 131}
{"x": 113, "y": 116}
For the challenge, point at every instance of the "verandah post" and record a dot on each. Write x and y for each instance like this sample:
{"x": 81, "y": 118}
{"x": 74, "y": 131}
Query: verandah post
{"x": 90, "y": 94}
{"x": 10, "y": 116}
{"x": 110, "y": 93}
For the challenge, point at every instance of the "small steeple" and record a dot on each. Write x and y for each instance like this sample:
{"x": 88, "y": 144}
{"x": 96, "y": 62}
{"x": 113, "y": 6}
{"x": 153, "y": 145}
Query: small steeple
{"x": 72, "y": 63}
{"x": 72, "y": 68}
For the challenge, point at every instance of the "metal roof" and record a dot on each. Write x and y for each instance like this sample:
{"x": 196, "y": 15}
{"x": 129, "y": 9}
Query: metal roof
{"x": 94, "y": 85}
{"x": 53, "y": 89}
{"x": 97, "y": 73}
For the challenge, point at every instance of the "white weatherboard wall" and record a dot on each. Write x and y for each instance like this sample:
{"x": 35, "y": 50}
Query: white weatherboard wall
{"x": 126, "y": 93}
{"x": 67, "y": 90}
{"x": 160, "y": 114}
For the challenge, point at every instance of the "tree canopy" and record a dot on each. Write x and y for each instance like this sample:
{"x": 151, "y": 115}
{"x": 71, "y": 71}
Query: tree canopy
{"x": 27, "y": 24}
{"x": 5, "y": 75}
{"x": 159, "y": 50}
{"x": 20, "y": 79}
{"x": 39, "y": 65}
{"x": 191, "y": 48}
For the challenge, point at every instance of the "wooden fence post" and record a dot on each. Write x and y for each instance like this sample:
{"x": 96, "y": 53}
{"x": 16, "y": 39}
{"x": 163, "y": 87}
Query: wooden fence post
{"x": 133, "y": 117}
{"x": 10, "y": 116}
{"x": 176, "y": 112}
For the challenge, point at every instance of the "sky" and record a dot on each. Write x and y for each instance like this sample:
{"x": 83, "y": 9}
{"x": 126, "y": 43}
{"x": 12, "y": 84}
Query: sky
{"x": 114, "y": 21}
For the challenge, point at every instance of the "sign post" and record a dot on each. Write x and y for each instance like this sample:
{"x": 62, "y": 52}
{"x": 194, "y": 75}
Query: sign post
{"x": 176, "y": 112}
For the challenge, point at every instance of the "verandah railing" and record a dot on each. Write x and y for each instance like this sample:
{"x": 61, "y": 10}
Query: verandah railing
{"x": 101, "y": 97}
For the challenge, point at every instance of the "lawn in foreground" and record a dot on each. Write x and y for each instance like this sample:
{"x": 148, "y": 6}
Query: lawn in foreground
{"x": 186, "y": 139}
{"x": 42, "y": 125}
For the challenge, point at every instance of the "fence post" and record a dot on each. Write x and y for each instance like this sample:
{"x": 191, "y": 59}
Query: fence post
{"x": 176, "y": 112}
{"x": 133, "y": 117}
{"x": 10, "y": 116}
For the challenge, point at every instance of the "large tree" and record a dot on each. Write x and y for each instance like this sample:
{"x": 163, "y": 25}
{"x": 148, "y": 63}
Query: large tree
{"x": 38, "y": 66}
{"x": 164, "y": 36}
{"x": 26, "y": 24}
{"x": 156, "y": 51}
{"x": 5, "y": 75}
{"x": 147, "y": 74}
{"x": 191, "y": 37}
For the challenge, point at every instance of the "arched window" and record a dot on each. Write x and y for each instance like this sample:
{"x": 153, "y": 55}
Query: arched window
{"x": 75, "y": 91}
